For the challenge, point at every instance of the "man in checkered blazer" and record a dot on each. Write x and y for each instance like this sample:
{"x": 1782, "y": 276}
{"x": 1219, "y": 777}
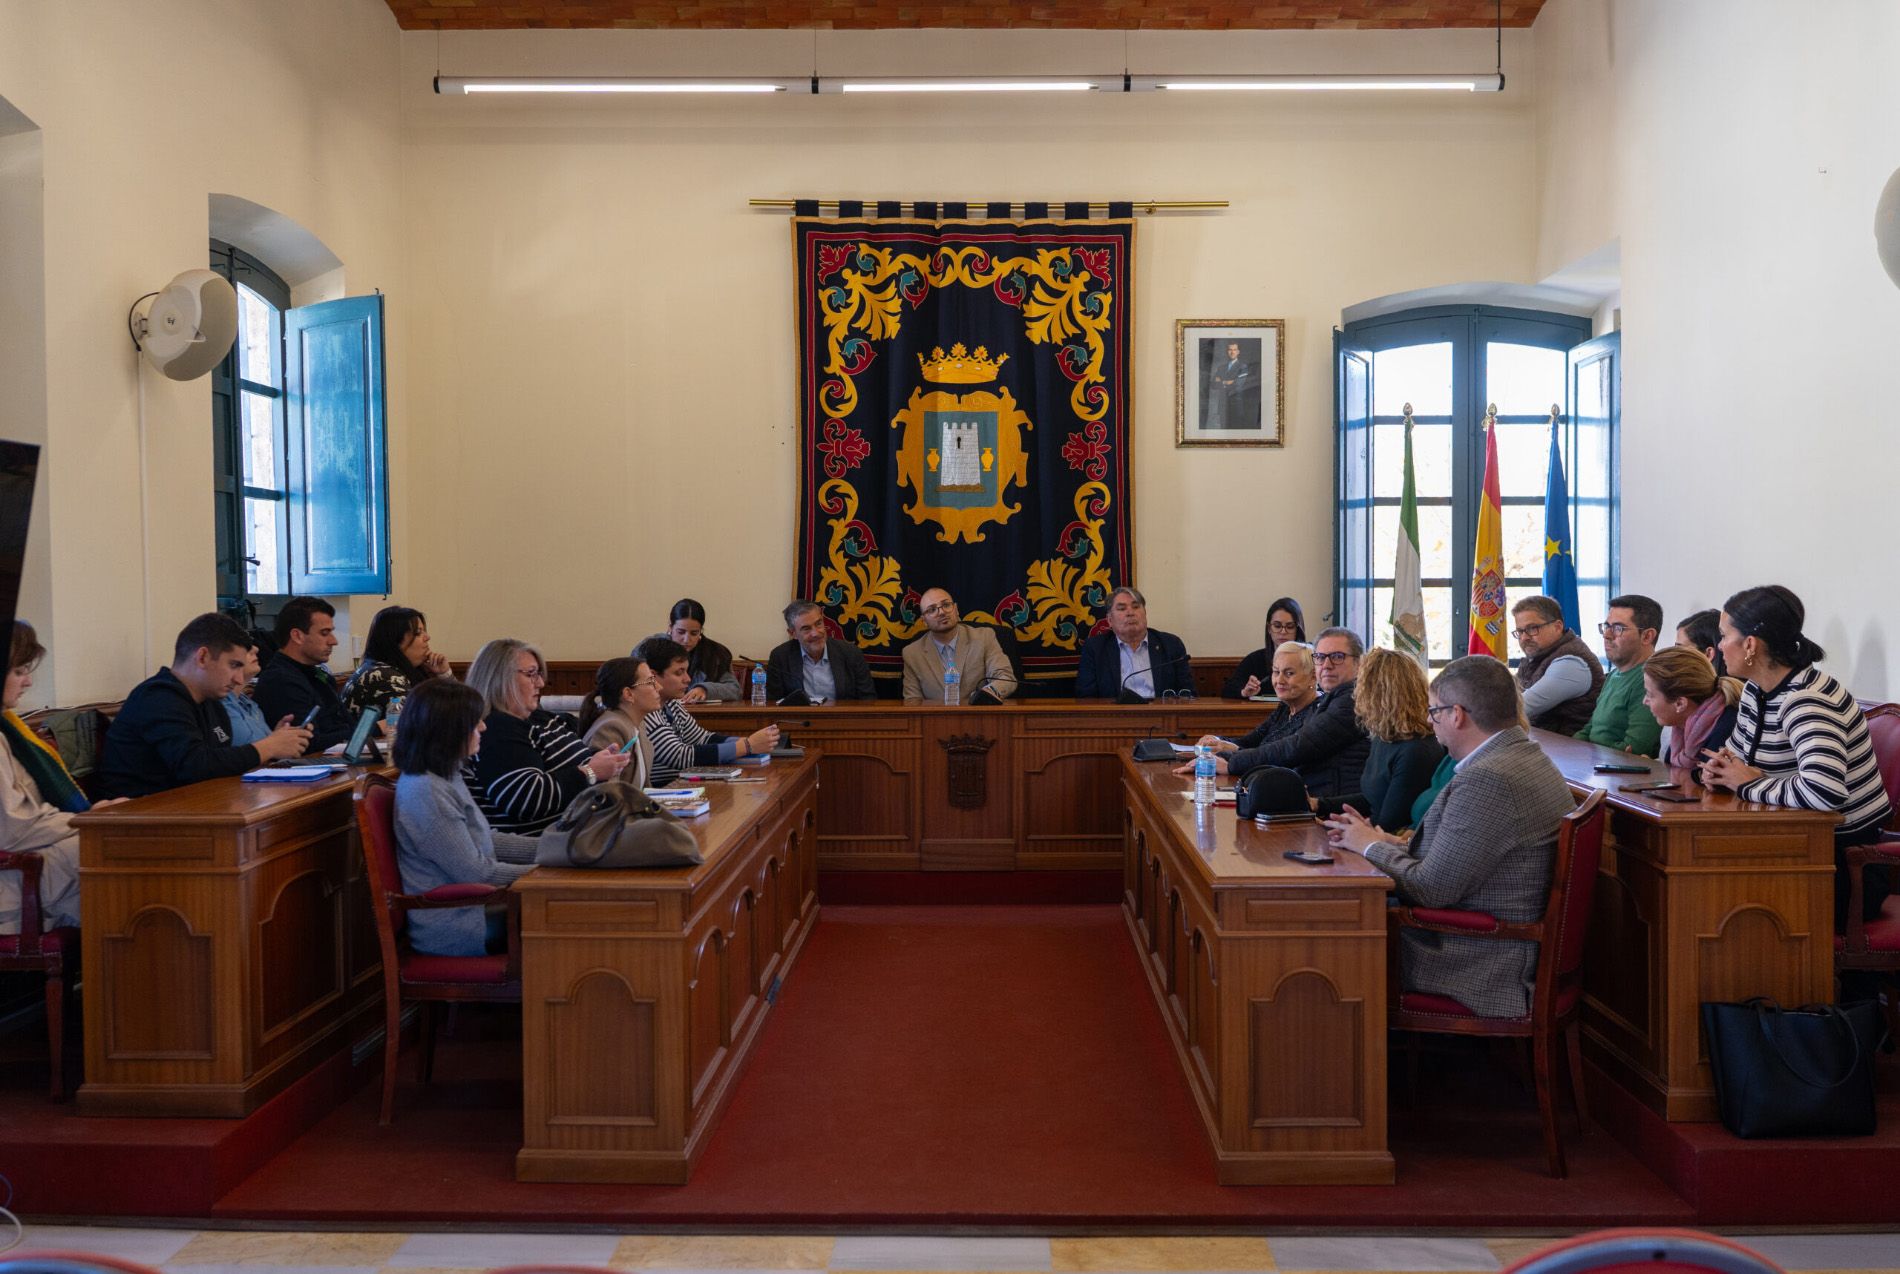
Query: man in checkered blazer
{"x": 1485, "y": 845}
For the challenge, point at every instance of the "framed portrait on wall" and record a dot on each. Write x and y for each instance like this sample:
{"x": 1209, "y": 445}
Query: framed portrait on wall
{"x": 1229, "y": 382}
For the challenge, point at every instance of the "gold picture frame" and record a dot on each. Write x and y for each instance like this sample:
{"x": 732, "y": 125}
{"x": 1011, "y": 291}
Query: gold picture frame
{"x": 1222, "y": 394}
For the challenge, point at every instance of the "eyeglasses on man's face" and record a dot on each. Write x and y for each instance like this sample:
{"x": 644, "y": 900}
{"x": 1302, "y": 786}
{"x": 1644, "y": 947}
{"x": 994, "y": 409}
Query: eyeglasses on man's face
{"x": 1331, "y": 656}
{"x": 941, "y": 607}
{"x": 1615, "y": 630}
{"x": 1433, "y": 711}
{"x": 1528, "y": 629}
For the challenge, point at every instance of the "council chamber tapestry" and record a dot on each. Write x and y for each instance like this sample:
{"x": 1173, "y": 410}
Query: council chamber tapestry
{"x": 964, "y": 424}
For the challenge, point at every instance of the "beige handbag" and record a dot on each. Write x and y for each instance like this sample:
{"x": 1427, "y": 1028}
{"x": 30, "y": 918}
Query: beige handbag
{"x": 615, "y": 824}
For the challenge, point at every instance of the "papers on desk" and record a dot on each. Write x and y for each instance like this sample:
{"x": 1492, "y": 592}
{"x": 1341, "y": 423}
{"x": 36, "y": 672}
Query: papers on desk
{"x": 1182, "y": 749}
{"x": 675, "y": 793}
{"x": 713, "y": 774}
{"x": 1222, "y": 795}
{"x": 290, "y": 774}
{"x": 687, "y": 807}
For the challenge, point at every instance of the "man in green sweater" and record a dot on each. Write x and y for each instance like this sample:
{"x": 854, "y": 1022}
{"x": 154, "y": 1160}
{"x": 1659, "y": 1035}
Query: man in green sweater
{"x": 1629, "y": 638}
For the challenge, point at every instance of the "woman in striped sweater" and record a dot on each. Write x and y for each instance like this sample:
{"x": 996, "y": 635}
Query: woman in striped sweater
{"x": 1799, "y": 738}
{"x": 678, "y": 741}
{"x": 531, "y": 763}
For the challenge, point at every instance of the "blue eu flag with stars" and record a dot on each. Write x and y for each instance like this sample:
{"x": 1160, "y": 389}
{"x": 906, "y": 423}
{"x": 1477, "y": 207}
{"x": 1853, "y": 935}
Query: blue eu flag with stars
{"x": 1560, "y": 558}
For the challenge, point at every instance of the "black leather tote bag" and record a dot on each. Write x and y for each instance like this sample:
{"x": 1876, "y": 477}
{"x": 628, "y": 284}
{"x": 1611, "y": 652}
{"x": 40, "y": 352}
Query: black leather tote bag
{"x": 1806, "y": 1072}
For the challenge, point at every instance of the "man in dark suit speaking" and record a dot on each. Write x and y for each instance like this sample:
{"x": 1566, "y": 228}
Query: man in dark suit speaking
{"x": 1131, "y": 657}
{"x": 815, "y": 664}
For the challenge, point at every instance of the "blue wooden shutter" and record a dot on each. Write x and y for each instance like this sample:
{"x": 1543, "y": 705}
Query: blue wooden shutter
{"x": 337, "y": 460}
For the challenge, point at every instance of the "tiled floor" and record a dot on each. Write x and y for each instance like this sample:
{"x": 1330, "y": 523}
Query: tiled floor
{"x": 265, "y": 1252}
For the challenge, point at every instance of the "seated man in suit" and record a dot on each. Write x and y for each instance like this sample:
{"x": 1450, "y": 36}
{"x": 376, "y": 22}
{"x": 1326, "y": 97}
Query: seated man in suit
{"x": 173, "y": 729}
{"x": 979, "y": 659}
{"x": 1486, "y": 844}
{"x": 1131, "y": 658}
{"x": 296, "y": 678}
{"x": 815, "y": 664}
{"x": 1330, "y": 749}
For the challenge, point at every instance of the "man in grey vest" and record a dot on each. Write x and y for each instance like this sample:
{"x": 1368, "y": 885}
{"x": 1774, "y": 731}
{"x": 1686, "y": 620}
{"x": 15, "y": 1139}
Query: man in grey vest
{"x": 1559, "y": 675}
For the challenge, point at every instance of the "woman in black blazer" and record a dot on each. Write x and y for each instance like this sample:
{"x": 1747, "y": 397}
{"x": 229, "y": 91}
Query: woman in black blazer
{"x": 1391, "y": 703}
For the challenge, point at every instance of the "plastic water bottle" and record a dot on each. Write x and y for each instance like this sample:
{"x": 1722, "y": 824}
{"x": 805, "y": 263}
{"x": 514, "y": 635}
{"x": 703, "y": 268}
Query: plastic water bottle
{"x": 952, "y": 686}
{"x": 392, "y": 711}
{"x": 1203, "y": 774}
{"x": 758, "y": 685}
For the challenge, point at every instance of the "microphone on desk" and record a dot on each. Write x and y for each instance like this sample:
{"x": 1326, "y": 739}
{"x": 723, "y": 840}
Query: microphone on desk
{"x": 983, "y": 687}
{"x": 1131, "y": 696}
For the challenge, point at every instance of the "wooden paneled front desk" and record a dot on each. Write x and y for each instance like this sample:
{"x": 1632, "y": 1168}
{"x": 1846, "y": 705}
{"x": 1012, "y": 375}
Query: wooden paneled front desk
{"x": 1718, "y": 899}
{"x": 1270, "y": 975}
{"x": 643, "y": 991}
{"x": 228, "y": 944}
{"x": 1031, "y": 785}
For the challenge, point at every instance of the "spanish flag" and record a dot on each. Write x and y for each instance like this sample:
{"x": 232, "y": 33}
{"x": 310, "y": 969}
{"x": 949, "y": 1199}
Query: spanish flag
{"x": 1487, "y": 559}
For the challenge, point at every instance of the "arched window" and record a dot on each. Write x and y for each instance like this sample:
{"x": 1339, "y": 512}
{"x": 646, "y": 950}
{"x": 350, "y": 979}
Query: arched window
{"x": 1449, "y": 363}
{"x": 300, "y": 474}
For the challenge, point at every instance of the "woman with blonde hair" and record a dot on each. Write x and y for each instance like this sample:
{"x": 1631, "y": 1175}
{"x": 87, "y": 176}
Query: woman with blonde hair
{"x": 1391, "y": 703}
{"x": 531, "y": 763}
{"x": 1683, "y": 692}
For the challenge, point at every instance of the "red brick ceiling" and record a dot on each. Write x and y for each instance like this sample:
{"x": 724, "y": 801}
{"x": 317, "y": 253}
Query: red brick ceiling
{"x": 1190, "y": 15}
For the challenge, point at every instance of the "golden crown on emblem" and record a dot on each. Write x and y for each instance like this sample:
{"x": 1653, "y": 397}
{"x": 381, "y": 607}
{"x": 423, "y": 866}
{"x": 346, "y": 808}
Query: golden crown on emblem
{"x": 959, "y": 366}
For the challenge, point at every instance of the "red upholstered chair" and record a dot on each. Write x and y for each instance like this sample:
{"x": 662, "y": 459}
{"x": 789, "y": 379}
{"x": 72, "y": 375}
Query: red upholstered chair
{"x": 38, "y": 950}
{"x": 1557, "y": 997}
{"x": 1873, "y": 946}
{"x": 409, "y": 975}
{"x": 1645, "y": 1252}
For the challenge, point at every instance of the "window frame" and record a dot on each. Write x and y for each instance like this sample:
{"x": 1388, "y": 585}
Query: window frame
{"x": 1469, "y": 330}
{"x": 230, "y": 491}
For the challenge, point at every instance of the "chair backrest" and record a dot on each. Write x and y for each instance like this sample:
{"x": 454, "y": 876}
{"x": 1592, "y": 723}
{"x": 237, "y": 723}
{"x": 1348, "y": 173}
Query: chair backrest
{"x": 1883, "y": 727}
{"x": 376, "y": 828}
{"x": 1573, "y": 884}
{"x": 1645, "y": 1251}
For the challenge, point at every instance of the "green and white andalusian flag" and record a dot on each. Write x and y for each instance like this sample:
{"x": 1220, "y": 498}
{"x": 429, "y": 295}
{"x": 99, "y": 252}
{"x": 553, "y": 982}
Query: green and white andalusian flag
{"x": 1408, "y": 596}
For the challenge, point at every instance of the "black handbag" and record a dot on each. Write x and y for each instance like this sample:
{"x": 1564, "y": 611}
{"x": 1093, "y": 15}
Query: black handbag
{"x": 1806, "y": 1072}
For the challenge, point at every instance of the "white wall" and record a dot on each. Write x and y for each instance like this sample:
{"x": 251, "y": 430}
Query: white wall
{"x": 1747, "y": 144}
{"x": 146, "y": 111}
{"x": 599, "y": 331}
{"x": 23, "y": 349}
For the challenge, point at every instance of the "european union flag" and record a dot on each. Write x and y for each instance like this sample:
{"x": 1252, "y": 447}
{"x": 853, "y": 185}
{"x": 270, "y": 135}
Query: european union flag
{"x": 1560, "y": 557}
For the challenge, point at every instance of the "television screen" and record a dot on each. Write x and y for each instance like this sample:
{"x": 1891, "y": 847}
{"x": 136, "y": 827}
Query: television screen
{"x": 19, "y": 463}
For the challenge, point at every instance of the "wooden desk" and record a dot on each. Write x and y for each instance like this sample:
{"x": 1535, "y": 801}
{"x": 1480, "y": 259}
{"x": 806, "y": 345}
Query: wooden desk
{"x": 1271, "y": 978}
{"x": 1719, "y": 900}
{"x": 228, "y": 944}
{"x": 1030, "y": 785}
{"x": 643, "y": 991}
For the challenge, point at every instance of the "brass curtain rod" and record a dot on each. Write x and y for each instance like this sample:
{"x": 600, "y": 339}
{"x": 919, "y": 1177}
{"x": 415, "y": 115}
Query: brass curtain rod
{"x": 1148, "y": 206}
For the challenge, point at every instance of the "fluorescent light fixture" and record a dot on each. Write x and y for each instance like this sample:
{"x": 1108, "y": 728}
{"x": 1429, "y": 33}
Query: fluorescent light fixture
{"x": 972, "y": 84}
{"x": 513, "y": 84}
{"x": 1492, "y": 83}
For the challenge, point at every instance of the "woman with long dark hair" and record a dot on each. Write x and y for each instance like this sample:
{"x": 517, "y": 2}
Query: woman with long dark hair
{"x": 709, "y": 662}
{"x": 396, "y": 659}
{"x": 1285, "y": 622}
{"x": 625, "y": 691}
{"x": 1799, "y": 737}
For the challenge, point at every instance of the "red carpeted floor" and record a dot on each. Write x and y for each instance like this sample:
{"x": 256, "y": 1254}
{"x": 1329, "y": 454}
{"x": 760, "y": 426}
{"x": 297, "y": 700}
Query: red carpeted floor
{"x": 930, "y": 1066}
